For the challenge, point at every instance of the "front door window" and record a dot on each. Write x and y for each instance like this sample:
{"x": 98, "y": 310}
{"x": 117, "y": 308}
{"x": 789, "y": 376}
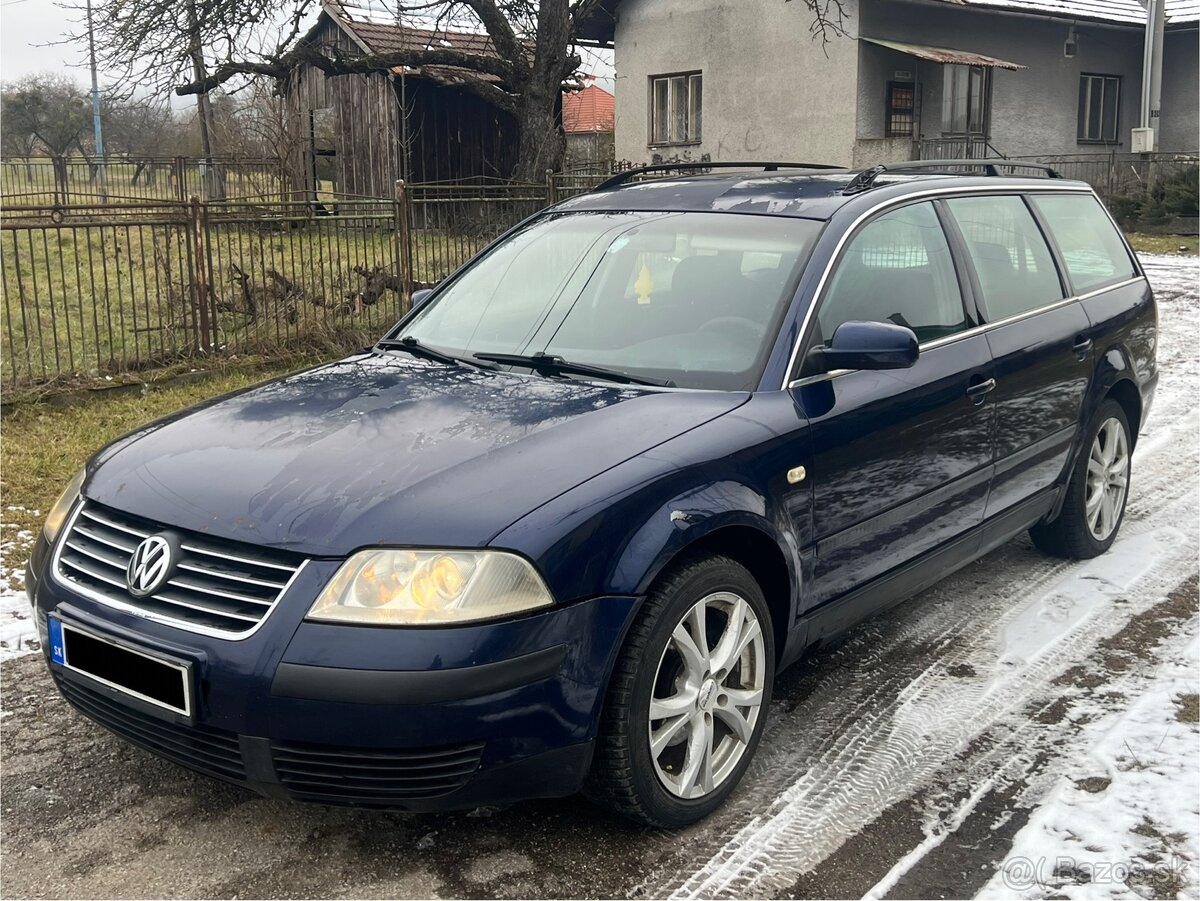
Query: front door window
{"x": 966, "y": 95}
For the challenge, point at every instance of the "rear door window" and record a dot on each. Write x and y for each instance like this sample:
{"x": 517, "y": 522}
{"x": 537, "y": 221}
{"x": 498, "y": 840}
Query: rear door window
{"x": 897, "y": 269}
{"x": 1015, "y": 268}
{"x": 1091, "y": 248}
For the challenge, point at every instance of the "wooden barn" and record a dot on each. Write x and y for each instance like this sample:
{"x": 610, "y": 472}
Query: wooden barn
{"x": 358, "y": 134}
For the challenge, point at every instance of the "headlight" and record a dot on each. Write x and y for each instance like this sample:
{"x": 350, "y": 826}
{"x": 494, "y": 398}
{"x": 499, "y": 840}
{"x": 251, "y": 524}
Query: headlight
{"x": 420, "y": 588}
{"x": 58, "y": 513}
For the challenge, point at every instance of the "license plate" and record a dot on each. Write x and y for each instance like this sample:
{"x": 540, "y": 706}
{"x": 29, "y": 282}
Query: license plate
{"x": 155, "y": 680}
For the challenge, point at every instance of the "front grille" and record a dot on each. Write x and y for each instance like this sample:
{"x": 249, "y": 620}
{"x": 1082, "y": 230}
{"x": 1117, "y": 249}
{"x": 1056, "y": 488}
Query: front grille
{"x": 332, "y": 775}
{"x": 219, "y": 585}
{"x": 209, "y": 751}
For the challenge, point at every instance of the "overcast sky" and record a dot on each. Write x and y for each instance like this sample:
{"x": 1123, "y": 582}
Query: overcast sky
{"x": 24, "y": 24}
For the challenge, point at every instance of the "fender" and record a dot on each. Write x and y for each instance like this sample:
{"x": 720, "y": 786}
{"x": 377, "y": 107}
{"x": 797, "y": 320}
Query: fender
{"x": 614, "y": 534}
{"x": 1113, "y": 366}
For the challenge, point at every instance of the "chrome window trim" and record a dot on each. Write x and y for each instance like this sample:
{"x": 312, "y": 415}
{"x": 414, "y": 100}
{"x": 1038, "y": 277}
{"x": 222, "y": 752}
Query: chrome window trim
{"x": 67, "y": 585}
{"x": 980, "y": 329}
{"x": 836, "y": 256}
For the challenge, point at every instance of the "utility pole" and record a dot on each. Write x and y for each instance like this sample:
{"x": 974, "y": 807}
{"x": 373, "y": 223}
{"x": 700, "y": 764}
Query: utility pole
{"x": 101, "y": 175}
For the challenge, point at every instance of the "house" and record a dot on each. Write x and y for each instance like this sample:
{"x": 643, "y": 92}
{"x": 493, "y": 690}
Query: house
{"x": 588, "y": 118}
{"x": 358, "y": 134}
{"x": 745, "y": 79}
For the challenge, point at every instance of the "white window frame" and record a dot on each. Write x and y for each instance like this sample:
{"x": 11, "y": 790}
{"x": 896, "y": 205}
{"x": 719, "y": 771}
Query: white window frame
{"x": 660, "y": 131}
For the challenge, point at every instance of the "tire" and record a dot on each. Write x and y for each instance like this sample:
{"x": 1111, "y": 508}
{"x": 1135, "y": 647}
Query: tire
{"x": 1077, "y": 533}
{"x": 673, "y": 787}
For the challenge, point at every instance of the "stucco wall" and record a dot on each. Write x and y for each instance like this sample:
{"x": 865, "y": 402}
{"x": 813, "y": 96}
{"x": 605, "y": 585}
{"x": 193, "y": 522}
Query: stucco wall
{"x": 770, "y": 92}
{"x": 1180, "y": 128}
{"x": 1034, "y": 110}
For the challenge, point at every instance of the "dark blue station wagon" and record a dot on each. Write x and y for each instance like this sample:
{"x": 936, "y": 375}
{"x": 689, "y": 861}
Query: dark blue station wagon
{"x": 560, "y": 529}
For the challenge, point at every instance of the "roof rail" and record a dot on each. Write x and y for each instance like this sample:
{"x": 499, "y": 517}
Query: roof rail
{"x": 622, "y": 177}
{"x": 991, "y": 167}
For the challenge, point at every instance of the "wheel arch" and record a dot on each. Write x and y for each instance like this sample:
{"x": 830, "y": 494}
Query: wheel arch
{"x": 759, "y": 551}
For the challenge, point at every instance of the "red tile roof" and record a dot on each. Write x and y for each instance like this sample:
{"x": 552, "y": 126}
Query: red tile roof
{"x": 589, "y": 110}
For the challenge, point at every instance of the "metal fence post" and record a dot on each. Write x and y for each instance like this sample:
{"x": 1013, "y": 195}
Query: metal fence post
{"x": 199, "y": 275}
{"x": 179, "y": 177}
{"x": 549, "y": 187}
{"x": 404, "y": 243}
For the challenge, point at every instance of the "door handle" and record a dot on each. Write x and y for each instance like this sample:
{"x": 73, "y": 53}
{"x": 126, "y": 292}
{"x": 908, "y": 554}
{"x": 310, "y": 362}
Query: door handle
{"x": 1082, "y": 347}
{"x": 978, "y": 391}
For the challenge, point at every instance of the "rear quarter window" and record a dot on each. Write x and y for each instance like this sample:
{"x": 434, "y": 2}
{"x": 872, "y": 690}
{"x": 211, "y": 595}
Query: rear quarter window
{"x": 1092, "y": 249}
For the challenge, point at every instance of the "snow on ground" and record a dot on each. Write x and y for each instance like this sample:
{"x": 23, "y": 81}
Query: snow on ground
{"x": 1126, "y": 827}
{"x": 17, "y": 633}
{"x": 996, "y": 640}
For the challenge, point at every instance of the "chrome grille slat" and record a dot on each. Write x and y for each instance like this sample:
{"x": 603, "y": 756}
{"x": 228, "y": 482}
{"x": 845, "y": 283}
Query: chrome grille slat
{"x": 232, "y": 577}
{"x": 211, "y": 552}
{"x": 91, "y": 514}
{"x": 102, "y": 556}
{"x": 88, "y": 571}
{"x": 126, "y": 546}
{"x": 213, "y": 590}
{"x": 176, "y": 582}
{"x": 176, "y": 600}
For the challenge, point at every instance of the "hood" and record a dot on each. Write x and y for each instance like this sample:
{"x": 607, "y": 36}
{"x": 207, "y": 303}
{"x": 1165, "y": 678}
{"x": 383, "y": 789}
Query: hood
{"x": 385, "y": 449}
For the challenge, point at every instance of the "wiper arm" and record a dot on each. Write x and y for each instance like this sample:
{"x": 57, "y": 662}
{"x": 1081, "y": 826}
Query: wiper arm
{"x": 425, "y": 352}
{"x": 544, "y": 362}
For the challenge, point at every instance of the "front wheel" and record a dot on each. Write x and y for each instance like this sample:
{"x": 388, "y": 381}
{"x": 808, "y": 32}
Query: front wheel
{"x": 688, "y": 697}
{"x": 1095, "y": 504}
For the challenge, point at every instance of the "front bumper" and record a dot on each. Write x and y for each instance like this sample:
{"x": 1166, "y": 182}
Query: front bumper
{"x": 411, "y": 719}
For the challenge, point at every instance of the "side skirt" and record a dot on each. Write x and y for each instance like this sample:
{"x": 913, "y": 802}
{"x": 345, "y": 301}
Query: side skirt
{"x": 888, "y": 590}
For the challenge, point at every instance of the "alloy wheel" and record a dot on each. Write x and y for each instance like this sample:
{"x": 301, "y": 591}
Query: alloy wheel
{"x": 707, "y": 695}
{"x": 1107, "y": 479}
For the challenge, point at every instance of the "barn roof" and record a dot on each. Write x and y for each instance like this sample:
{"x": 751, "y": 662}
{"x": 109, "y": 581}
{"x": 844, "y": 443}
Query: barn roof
{"x": 590, "y": 110}
{"x": 377, "y": 35}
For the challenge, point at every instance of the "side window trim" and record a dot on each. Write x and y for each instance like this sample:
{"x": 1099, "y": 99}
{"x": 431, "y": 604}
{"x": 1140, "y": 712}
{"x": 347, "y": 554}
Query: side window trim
{"x": 1064, "y": 278}
{"x": 985, "y": 317}
{"x": 968, "y": 281}
{"x": 814, "y": 326}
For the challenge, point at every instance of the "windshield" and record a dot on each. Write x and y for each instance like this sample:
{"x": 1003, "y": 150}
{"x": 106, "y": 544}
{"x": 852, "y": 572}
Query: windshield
{"x": 693, "y": 298}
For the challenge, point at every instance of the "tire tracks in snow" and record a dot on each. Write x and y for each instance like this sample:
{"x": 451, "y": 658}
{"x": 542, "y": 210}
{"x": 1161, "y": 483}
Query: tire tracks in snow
{"x": 870, "y": 723}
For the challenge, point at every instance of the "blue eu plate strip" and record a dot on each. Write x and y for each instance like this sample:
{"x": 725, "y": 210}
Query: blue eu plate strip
{"x": 56, "y": 642}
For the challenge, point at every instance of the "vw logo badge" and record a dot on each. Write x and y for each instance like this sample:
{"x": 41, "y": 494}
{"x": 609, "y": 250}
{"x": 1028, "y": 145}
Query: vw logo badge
{"x": 150, "y": 566}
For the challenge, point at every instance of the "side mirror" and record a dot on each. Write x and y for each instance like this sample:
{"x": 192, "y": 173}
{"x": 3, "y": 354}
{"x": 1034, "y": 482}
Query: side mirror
{"x": 419, "y": 297}
{"x": 871, "y": 345}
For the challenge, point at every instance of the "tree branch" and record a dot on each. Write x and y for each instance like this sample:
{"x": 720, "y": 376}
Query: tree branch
{"x": 335, "y": 64}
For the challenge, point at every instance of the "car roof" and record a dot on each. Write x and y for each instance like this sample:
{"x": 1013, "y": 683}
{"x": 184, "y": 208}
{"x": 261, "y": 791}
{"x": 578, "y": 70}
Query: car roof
{"x": 816, "y": 194}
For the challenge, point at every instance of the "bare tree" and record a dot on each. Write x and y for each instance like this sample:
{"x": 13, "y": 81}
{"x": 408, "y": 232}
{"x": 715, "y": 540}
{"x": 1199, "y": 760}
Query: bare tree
{"x": 50, "y": 113}
{"x": 202, "y": 45}
{"x": 154, "y": 45}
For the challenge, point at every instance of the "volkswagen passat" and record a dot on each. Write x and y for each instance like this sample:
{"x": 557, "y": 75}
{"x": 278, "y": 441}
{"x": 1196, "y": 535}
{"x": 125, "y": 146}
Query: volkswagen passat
{"x": 561, "y": 528}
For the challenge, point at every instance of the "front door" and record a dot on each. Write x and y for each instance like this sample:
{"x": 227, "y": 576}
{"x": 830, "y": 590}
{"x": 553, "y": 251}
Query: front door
{"x": 901, "y": 459}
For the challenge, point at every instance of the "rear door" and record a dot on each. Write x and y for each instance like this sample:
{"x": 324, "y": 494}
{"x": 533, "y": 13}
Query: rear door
{"x": 1038, "y": 339}
{"x": 901, "y": 459}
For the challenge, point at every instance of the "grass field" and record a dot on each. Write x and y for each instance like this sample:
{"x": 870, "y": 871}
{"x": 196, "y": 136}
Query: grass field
{"x": 85, "y": 299}
{"x": 1170, "y": 245}
{"x": 37, "y": 184}
{"x": 44, "y": 444}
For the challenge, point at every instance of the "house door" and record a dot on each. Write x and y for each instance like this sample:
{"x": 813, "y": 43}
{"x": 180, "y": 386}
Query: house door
{"x": 966, "y": 101}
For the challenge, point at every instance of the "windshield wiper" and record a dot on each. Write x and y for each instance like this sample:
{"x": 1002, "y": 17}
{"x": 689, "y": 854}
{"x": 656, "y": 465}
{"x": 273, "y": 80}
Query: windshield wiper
{"x": 425, "y": 352}
{"x": 544, "y": 362}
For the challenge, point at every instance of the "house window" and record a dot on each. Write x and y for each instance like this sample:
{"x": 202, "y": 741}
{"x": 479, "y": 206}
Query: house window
{"x": 675, "y": 108}
{"x": 901, "y": 96}
{"x": 1099, "y": 107}
{"x": 966, "y": 95}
